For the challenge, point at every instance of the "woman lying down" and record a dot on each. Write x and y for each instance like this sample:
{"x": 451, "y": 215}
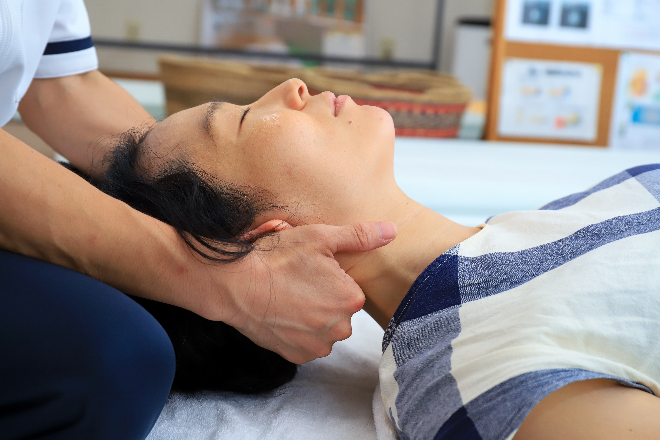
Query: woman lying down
{"x": 540, "y": 324}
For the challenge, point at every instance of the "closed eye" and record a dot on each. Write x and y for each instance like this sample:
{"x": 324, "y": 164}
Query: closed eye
{"x": 240, "y": 124}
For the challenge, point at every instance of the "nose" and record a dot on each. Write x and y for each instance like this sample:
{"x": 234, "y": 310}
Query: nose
{"x": 294, "y": 93}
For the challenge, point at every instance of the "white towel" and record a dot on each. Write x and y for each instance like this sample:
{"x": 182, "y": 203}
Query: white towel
{"x": 330, "y": 398}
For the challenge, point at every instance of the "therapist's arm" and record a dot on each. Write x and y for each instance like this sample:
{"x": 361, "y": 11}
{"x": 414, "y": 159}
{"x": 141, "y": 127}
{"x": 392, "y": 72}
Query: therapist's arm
{"x": 80, "y": 115}
{"x": 51, "y": 214}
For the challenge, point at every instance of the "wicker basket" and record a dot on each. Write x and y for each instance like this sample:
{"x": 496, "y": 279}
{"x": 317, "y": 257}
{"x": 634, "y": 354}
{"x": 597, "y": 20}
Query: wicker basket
{"x": 422, "y": 103}
{"x": 193, "y": 81}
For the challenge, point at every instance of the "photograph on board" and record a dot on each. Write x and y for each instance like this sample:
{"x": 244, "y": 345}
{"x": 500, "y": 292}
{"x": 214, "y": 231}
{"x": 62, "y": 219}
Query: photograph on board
{"x": 536, "y": 13}
{"x": 575, "y": 15}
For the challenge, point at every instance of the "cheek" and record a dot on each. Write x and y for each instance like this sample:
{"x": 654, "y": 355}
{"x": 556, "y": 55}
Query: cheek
{"x": 323, "y": 172}
{"x": 283, "y": 153}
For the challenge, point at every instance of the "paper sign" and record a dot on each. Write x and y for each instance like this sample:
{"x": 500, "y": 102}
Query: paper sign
{"x": 636, "y": 116}
{"x": 550, "y": 100}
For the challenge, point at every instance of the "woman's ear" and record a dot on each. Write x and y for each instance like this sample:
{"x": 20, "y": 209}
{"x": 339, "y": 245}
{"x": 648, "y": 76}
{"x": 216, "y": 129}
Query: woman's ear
{"x": 269, "y": 226}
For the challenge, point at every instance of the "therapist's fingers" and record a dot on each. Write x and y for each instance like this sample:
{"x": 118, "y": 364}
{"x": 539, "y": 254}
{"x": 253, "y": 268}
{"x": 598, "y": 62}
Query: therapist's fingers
{"x": 359, "y": 237}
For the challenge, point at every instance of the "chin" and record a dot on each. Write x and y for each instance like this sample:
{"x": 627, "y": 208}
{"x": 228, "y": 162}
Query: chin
{"x": 384, "y": 121}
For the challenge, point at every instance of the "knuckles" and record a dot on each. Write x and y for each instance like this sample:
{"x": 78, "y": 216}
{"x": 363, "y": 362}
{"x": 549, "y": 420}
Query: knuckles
{"x": 297, "y": 358}
{"x": 308, "y": 353}
{"x": 341, "y": 332}
{"x": 322, "y": 351}
{"x": 357, "y": 302}
{"x": 362, "y": 235}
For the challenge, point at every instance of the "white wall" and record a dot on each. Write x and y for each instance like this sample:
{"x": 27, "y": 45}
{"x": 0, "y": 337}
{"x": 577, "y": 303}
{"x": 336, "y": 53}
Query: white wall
{"x": 162, "y": 21}
{"x": 455, "y": 9}
{"x": 170, "y": 21}
{"x": 410, "y": 23}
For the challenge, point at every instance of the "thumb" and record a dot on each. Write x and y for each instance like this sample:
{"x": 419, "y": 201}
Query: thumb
{"x": 361, "y": 237}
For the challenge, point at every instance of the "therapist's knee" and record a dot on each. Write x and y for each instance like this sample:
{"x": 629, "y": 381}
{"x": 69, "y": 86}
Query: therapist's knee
{"x": 128, "y": 373}
{"x": 111, "y": 376}
{"x": 80, "y": 360}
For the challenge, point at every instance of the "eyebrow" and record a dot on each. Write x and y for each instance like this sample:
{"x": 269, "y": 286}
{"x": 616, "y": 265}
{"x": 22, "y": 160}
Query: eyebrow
{"x": 208, "y": 116}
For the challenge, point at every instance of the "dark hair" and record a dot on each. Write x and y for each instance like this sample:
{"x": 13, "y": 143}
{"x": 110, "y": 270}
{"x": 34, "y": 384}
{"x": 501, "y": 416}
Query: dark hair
{"x": 210, "y": 216}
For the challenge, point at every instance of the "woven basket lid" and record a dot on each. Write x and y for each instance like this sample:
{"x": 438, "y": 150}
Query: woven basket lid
{"x": 414, "y": 86}
{"x": 192, "y": 81}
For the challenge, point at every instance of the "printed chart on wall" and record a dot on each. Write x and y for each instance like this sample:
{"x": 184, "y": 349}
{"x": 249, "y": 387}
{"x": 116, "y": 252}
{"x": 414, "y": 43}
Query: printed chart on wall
{"x": 550, "y": 99}
{"x": 616, "y": 24}
{"x": 636, "y": 117}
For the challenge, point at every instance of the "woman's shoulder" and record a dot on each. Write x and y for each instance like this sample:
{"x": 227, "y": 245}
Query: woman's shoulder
{"x": 620, "y": 206}
{"x": 642, "y": 179}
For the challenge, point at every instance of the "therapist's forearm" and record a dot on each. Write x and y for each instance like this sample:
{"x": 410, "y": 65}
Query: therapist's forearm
{"x": 49, "y": 213}
{"x": 79, "y": 116}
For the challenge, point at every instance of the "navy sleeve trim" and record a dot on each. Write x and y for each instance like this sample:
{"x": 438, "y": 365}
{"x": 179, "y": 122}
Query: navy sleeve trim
{"x": 68, "y": 46}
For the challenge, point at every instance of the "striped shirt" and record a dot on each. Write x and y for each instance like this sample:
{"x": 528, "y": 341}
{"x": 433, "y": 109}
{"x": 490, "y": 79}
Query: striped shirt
{"x": 534, "y": 301}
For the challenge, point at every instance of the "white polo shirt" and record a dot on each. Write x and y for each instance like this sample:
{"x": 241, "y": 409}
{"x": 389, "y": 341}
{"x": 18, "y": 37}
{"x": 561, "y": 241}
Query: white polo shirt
{"x": 41, "y": 39}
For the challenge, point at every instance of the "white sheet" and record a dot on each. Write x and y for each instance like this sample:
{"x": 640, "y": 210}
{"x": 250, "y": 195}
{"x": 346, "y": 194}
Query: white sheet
{"x": 332, "y": 398}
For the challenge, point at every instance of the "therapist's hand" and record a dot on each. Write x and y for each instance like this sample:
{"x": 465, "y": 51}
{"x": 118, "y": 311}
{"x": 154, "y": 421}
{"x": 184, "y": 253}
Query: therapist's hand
{"x": 293, "y": 298}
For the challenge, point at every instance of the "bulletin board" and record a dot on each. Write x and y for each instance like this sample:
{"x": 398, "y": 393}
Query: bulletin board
{"x": 583, "y": 72}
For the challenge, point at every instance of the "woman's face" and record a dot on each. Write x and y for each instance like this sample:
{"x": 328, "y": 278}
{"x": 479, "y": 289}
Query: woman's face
{"x": 327, "y": 159}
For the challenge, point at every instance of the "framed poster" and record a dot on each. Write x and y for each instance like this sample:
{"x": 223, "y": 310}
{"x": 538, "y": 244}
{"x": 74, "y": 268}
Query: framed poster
{"x": 550, "y": 99}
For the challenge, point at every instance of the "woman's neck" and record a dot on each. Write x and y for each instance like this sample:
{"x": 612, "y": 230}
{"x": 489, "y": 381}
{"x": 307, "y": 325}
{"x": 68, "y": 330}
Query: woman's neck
{"x": 386, "y": 274}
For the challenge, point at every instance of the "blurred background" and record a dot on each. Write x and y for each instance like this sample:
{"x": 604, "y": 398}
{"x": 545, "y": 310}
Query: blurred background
{"x": 375, "y": 29}
{"x": 374, "y": 35}
{"x": 582, "y": 72}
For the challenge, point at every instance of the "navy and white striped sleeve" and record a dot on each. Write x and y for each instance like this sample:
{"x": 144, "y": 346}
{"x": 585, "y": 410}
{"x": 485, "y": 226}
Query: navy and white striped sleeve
{"x": 70, "y": 49}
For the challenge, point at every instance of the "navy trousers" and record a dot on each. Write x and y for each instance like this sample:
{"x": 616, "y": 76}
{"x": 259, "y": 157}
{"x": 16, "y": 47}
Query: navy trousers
{"x": 78, "y": 359}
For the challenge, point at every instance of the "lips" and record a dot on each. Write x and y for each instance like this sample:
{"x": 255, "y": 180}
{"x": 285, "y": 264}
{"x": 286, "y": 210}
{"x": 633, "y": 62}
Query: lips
{"x": 339, "y": 103}
{"x": 331, "y": 99}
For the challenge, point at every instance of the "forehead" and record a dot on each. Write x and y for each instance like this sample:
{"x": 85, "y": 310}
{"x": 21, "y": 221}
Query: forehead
{"x": 194, "y": 131}
{"x": 172, "y": 138}
{"x": 187, "y": 127}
